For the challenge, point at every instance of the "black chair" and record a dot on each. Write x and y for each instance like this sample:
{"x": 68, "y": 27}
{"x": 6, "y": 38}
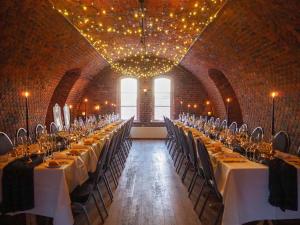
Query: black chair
{"x": 224, "y": 124}
{"x": 257, "y": 134}
{"x": 5, "y": 143}
{"x": 81, "y": 196}
{"x": 243, "y": 128}
{"x": 281, "y": 141}
{"x": 39, "y": 129}
{"x": 233, "y": 127}
{"x": 21, "y": 136}
{"x": 210, "y": 182}
{"x": 53, "y": 128}
{"x": 218, "y": 122}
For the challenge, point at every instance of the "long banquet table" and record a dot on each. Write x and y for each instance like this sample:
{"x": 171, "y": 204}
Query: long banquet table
{"x": 52, "y": 186}
{"x": 244, "y": 187}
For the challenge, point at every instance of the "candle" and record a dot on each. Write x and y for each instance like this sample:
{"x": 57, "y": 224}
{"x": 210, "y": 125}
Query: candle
{"x": 189, "y": 106}
{"x": 26, "y": 95}
{"x": 228, "y": 100}
{"x": 274, "y": 94}
{"x": 181, "y": 102}
{"x": 210, "y": 109}
{"x": 70, "y": 107}
{"x": 85, "y": 108}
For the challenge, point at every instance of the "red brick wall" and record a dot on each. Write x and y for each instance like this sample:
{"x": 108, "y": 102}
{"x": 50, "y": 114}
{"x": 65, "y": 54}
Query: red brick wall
{"x": 37, "y": 48}
{"x": 186, "y": 88}
{"x": 255, "y": 44}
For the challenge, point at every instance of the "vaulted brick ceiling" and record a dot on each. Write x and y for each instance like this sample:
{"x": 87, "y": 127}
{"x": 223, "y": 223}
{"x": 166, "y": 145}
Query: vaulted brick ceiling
{"x": 253, "y": 44}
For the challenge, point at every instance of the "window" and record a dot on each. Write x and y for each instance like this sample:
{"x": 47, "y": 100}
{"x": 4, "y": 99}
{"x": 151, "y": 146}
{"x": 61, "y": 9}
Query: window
{"x": 128, "y": 98}
{"x": 162, "y": 98}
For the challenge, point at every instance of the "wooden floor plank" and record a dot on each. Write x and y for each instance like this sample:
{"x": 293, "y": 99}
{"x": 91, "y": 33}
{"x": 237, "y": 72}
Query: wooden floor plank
{"x": 150, "y": 192}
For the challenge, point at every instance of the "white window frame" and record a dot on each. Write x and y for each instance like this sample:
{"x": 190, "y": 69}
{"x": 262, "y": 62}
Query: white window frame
{"x": 171, "y": 97}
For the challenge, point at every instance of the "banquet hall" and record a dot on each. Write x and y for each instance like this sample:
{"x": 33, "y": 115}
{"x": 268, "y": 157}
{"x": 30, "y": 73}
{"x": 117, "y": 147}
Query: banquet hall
{"x": 150, "y": 112}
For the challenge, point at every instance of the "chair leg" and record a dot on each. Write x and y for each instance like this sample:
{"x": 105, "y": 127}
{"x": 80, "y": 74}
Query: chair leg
{"x": 86, "y": 215}
{"x": 199, "y": 196}
{"x": 185, "y": 172}
{"x": 101, "y": 199}
{"x": 220, "y": 212}
{"x": 107, "y": 185}
{"x": 113, "y": 177}
{"x": 180, "y": 162}
{"x": 193, "y": 185}
{"x": 98, "y": 209}
{"x": 204, "y": 204}
{"x": 194, "y": 175}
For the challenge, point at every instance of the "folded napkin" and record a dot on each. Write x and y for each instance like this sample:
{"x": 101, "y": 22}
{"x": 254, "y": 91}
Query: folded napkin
{"x": 18, "y": 185}
{"x": 62, "y": 155}
{"x": 283, "y": 185}
{"x": 88, "y": 141}
{"x": 79, "y": 146}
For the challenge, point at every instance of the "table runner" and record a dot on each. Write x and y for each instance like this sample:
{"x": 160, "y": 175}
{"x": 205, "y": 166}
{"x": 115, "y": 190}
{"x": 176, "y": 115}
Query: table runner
{"x": 18, "y": 184}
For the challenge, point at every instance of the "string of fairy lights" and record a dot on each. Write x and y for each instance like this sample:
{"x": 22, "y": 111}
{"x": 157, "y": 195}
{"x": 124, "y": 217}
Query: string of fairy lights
{"x": 138, "y": 39}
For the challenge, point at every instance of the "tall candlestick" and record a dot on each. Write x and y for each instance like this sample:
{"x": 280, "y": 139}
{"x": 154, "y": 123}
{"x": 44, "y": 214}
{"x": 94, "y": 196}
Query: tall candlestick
{"x": 26, "y": 95}
{"x": 181, "y": 102}
{"x": 70, "y": 107}
{"x": 273, "y": 95}
{"x": 228, "y": 100}
{"x": 85, "y": 108}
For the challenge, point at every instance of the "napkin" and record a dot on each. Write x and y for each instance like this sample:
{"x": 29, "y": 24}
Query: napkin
{"x": 18, "y": 185}
{"x": 283, "y": 185}
{"x": 79, "y": 146}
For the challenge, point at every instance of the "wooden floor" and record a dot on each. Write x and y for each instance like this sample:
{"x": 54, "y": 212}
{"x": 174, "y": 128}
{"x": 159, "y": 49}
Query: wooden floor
{"x": 150, "y": 192}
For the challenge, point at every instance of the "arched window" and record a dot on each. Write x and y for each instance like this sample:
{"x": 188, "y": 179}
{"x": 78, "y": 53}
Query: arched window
{"x": 128, "y": 93}
{"x": 162, "y": 98}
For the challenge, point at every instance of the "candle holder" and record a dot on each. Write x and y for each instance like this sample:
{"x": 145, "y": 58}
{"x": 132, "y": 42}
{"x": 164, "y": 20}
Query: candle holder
{"x": 273, "y": 94}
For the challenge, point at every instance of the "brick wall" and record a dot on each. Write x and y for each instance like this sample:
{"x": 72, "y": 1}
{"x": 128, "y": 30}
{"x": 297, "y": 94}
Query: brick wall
{"x": 255, "y": 44}
{"x": 38, "y": 46}
{"x": 104, "y": 87}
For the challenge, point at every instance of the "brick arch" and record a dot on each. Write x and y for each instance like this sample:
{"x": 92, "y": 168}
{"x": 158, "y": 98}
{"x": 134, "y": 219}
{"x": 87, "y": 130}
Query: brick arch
{"x": 227, "y": 91}
{"x": 61, "y": 92}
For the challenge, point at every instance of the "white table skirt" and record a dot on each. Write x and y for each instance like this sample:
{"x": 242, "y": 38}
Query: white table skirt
{"x": 244, "y": 187}
{"x": 245, "y": 191}
{"x": 52, "y": 187}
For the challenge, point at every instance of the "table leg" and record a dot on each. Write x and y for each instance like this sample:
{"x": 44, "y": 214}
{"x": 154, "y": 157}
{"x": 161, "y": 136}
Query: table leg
{"x": 31, "y": 219}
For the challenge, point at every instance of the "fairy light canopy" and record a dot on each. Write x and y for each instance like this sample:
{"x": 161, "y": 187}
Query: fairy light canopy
{"x": 141, "y": 38}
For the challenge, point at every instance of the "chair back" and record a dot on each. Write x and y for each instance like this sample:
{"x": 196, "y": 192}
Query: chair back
{"x": 224, "y": 124}
{"x": 233, "y": 127}
{"x": 21, "y": 132}
{"x": 192, "y": 149}
{"x": 243, "y": 128}
{"x": 218, "y": 122}
{"x": 184, "y": 142}
{"x": 21, "y": 136}
{"x": 207, "y": 168}
{"x": 101, "y": 162}
{"x": 39, "y": 130}
{"x": 5, "y": 143}
{"x": 257, "y": 134}
{"x": 53, "y": 128}
{"x": 281, "y": 141}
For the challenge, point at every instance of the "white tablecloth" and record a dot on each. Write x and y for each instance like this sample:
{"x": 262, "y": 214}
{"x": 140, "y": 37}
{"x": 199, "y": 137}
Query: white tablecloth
{"x": 244, "y": 187}
{"x": 52, "y": 187}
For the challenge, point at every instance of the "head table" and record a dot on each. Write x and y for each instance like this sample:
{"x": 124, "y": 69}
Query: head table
{"x": 52, "y": 186}
{"x": 244, "y": 186}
